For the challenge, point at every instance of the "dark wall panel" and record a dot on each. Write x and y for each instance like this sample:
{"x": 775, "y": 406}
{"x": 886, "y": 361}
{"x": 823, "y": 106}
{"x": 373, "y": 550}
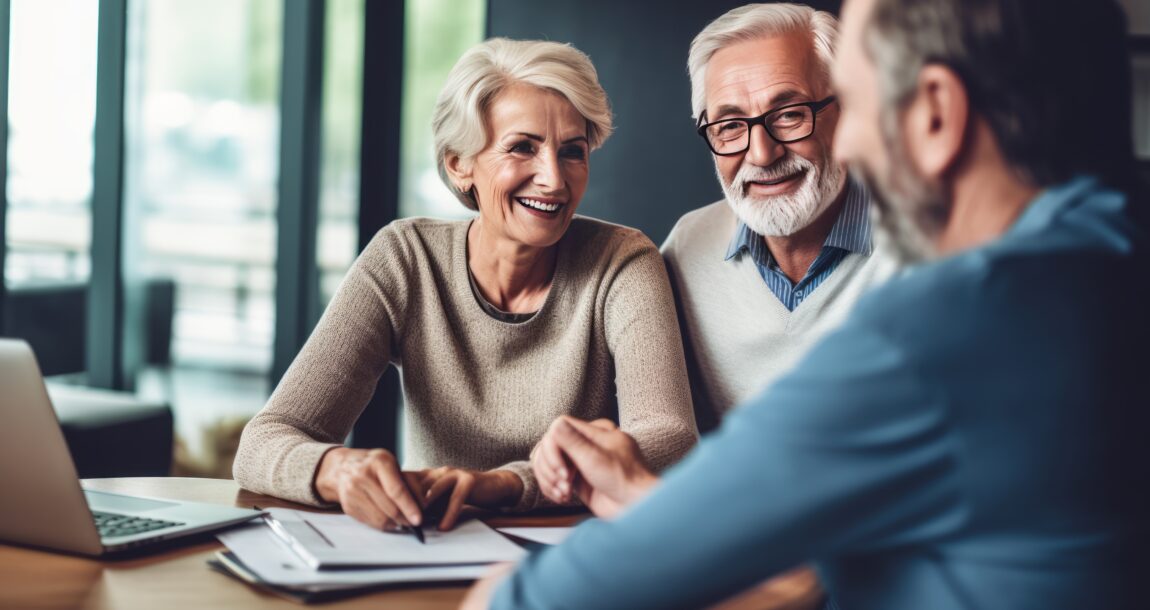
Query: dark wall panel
{"x": 654, "y": 168}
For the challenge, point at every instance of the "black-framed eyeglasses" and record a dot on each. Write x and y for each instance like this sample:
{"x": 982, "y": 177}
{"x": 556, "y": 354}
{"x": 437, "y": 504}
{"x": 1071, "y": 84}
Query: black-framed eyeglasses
{"x": 785, "y": 124}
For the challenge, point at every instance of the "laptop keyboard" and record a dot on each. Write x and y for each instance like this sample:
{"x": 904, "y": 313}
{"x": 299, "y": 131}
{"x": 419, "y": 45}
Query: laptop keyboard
{"x": 112, "y": 524}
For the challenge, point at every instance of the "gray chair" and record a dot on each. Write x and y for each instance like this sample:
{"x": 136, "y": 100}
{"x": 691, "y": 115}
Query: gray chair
{"x": 114, "y": 434}
{"x": 109, "y": 433}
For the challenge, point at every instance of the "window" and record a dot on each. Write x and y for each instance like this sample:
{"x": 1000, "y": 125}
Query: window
{"x": 201, "y": 155}
{"x": 1138, "y": 21}
{"x": 436, "y": 33}
{"x": 200, "y": 187}
{"x": 202, "y": 120}
{"x": 52, "y": 109}
{"x": 339, "y": 175}
{"x": 1142, "y": 106}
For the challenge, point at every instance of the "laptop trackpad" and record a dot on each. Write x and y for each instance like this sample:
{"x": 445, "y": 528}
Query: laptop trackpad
{"x": 115, "y": 502}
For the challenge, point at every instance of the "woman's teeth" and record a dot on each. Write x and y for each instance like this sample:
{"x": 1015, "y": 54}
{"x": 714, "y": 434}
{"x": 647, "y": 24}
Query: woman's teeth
{"x": 539, "y": 205}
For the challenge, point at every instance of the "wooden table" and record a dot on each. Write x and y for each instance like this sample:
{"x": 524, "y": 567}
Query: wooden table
{"x": 178, "y": 578}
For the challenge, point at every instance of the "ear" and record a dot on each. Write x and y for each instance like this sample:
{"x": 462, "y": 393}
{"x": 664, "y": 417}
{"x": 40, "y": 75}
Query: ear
{"x": 459, "y": 171}
{"x": 935, "y": 124}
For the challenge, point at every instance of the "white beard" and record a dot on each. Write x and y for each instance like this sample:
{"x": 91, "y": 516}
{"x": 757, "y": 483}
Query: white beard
{"x": 783, "y": 215}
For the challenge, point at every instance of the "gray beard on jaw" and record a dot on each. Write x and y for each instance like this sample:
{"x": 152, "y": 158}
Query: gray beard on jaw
{"x": 895, "y": 230}
{"x": 908, "y": 212}
{"x": 783, "y": 215}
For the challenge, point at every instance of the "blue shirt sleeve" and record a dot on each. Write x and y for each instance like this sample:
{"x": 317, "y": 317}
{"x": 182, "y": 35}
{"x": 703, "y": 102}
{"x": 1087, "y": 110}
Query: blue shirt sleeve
{"x": 849, "y": 452}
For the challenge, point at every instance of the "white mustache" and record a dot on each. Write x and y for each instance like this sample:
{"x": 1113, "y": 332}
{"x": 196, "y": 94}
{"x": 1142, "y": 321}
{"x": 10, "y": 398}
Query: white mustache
{"x": 789, "y": 165}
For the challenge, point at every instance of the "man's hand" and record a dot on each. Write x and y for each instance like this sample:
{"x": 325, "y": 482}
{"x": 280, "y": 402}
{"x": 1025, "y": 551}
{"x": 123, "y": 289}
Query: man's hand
{"x": 553, "y": 473}
{"x": 479, "y": 596}
{"x": 606, "y": 473}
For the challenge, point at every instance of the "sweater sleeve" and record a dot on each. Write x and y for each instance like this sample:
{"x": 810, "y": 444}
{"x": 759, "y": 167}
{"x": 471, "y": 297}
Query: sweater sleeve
{"x": 531, "y": 498}
{"x": 653, "y": 393}
{"x": 849, "y": 453}
{"x": 330, "y": 381}
{"x": 642, "y": 334}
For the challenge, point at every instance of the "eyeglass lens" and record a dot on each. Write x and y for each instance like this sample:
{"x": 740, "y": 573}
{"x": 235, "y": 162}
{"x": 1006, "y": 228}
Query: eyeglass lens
{"x": 785, "y": 125}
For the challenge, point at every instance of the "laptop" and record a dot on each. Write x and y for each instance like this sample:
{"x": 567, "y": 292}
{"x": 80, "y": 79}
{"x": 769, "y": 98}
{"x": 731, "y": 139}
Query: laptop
{"x": 41, "y": 501}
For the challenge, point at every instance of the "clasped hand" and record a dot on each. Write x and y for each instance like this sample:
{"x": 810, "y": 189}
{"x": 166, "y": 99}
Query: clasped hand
{"x": 597, "y": 462}
{"x": 594, "y": 461}
{"x": 369, "y": 485}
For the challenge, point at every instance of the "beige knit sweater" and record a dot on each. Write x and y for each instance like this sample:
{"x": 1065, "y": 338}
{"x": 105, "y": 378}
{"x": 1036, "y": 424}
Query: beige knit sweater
{"x": 480, "y": 393}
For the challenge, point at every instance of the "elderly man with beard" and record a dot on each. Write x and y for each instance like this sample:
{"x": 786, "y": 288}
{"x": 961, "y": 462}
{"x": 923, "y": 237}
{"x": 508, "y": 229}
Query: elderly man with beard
{"x": 973, "y": 434}
{"x": 761, "y": 275}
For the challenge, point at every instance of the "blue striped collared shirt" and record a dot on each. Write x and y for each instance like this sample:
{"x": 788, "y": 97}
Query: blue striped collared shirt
{"x": 850, "y": 233}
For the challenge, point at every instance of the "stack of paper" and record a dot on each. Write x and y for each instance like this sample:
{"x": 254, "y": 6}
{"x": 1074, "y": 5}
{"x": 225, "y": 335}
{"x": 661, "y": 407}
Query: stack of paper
{"x": 541, "y": 535}
{"x": 319, "y": 566}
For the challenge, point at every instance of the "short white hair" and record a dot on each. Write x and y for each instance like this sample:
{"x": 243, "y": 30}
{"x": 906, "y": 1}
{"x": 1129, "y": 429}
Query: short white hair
{"x": 459, "y": 124}
{"x": 755, "y": 21}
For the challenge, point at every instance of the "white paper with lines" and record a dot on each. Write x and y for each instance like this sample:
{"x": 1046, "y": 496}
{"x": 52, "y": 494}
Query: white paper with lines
{"x": 326, "y": 540}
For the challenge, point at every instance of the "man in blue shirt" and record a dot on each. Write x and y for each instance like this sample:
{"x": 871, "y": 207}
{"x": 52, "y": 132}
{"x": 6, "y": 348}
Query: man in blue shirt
{"x": 973, "y": 435}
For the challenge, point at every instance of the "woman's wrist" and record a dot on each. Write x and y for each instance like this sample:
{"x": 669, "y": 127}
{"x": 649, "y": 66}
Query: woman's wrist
{"x": 326, "y": 479}
{"x": 504, "y": 488}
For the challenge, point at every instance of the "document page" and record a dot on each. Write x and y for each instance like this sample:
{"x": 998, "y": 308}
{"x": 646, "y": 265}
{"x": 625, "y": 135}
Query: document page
{"x": 327, "y": 540}
{"x": 542, "y": 535}
{"x": 273, "y": 562}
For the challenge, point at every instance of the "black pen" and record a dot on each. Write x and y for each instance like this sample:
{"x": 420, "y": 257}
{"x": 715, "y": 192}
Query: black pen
{"x": 395, "y": 527}
{"x": 416, "y": 530}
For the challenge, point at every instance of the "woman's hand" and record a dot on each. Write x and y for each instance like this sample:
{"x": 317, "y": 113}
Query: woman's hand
{"x": 489, "y": 489}
{"x": 369, "y": 486}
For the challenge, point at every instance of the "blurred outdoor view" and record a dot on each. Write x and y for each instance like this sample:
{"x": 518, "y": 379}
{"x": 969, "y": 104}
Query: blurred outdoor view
{"x": 437, "y": 33}
{"x": 51, "y": 112}
{"x": 202, "y": 121}
{"x": 202, "y": 137}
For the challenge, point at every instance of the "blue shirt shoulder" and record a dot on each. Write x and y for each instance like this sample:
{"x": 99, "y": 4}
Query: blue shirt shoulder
{"x": 973, "y": 430}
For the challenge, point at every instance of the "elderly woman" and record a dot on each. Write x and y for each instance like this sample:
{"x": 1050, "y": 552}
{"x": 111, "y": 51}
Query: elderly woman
{"x": 498, "y": 325}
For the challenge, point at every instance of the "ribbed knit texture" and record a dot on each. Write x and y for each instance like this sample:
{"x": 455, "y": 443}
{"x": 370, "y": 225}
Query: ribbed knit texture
{"x": 739, "y": 336}
{"x": 480, "y": 393}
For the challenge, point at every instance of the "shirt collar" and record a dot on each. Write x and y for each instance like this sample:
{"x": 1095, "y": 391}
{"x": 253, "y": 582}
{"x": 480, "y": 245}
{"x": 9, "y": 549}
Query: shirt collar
{"x": 744, "y": 239}
{"x": 1045, "y": 206}
{"x": 851, "y": 231}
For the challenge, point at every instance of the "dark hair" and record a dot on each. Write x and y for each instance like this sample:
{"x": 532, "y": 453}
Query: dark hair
{"x": 1051, "y": 77}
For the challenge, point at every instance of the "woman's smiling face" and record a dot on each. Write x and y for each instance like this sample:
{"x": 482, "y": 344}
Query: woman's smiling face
{"x": 529, "y": 178}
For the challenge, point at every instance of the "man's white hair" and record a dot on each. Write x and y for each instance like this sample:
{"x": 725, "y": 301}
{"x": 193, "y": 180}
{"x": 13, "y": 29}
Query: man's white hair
{"x": 755, "y": 21}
